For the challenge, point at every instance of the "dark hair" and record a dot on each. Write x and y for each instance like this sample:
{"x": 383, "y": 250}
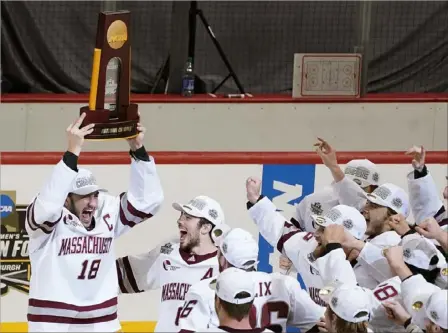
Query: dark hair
{"x": 343, "y": 326}
{"x": 237, "y": 311}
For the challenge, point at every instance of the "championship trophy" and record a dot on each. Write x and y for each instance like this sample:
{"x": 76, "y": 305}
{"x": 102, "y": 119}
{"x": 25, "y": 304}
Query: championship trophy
{"x": 109, "y": 101}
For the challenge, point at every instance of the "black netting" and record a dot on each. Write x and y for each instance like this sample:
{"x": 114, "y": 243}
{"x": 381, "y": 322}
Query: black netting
{"x": 47, "y": 46}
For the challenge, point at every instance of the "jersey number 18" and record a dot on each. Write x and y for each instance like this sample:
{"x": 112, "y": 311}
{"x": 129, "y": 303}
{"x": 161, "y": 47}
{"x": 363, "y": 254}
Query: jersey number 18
{"x": 92, "y": 271}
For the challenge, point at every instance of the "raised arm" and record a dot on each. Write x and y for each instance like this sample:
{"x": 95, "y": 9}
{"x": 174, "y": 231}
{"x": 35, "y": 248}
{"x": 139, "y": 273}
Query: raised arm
{"x": 45, "y": 211}
{"x": 145, "y": 194}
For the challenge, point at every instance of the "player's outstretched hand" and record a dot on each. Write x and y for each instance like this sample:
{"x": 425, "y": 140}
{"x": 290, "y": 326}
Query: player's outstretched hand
{"x": 137, "y": 142}
{"x": 253, "y": 189}
{"x": 76, "y": 134}
{"x": 326, "y": 153}
{"x": 418, "y": 155}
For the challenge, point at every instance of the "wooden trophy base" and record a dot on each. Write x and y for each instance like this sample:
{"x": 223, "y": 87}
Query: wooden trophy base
{"x": 106, "y": 128}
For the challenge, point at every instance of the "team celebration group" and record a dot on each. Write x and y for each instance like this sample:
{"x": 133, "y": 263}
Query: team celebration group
{"x": 363, "y": 265}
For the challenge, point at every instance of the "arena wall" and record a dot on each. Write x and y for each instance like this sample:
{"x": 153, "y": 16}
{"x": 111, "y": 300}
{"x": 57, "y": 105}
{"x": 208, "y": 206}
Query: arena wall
{"x": 267, "y": 123}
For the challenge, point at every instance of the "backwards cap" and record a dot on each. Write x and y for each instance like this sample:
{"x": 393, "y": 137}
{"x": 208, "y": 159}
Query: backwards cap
{"x": 351, "y": 303}
{"x": 231, "y": 283}
{"x": 420, "y": 252}
{"x": 240, "y": 249}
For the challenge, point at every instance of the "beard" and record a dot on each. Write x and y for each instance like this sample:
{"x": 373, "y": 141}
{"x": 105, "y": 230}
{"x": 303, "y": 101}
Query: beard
{"x": 192, "y": 242}
{"x": 72, "y": 209}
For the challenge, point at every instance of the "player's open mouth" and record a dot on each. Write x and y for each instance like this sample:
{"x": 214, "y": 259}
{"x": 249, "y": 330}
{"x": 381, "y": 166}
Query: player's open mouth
{"x": 86, "y": 214}
{"x": 182, "y": 234}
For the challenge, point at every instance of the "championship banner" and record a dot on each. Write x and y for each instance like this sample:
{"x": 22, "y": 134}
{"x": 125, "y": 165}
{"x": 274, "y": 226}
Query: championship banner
{"x": 15, "y": 263}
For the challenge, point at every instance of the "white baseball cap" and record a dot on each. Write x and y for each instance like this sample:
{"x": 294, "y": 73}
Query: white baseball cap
{"x": 202, "y": 206}
{"x": 437, "y": 308}
{"x": 351, "y": 303}
{"x": 362, "y": 172}
{"x": 419, "y": 251}
{"x": 392, "y": 196}
{"x": 350, "y": 218}
{"x": 85, "y": 183}
{"x": 416, "y": 301}
{"x": 317, "y": 203}
{"x": 232, "y": 282}
{"x": 239, "y": 248}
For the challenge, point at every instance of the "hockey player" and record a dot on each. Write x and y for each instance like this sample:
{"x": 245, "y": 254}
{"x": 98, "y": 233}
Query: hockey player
{"x": 348, "y": 310}
{"x": 420, "y": 256}
{"x": 175, "y": 266}
{"x": 424, "y": 197}
{"x": 275, "y": 293}
{"x": 349, "y": 187}
{"x": 434, "y": 312}
{"x": 235, "y": 294}
{"x": 418, "y": 284}
{"x": 302, "y": 248}
{"x": 72, "y": 224}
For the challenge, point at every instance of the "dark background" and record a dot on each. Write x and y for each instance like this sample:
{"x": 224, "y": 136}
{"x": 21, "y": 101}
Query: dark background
{"x": 48, "y": 46}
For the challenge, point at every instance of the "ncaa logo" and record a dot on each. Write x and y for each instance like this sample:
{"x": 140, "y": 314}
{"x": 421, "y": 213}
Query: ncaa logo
{"x": 7, "y": 206}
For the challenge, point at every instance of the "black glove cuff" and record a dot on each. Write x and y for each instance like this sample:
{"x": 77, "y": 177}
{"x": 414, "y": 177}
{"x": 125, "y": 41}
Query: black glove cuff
{"x": 140, "y": 154}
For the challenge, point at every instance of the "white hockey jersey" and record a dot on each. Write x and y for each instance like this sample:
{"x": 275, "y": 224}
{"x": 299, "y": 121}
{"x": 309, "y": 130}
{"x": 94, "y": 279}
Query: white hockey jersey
{"x": 173, "y": 271}
{"x": 299, "y": 247}
{"x": 424, "y": 198}
{"x": 73, "y": 285}
{"x": 372, "y": 267}
{"x": 388, "y": 290}
{"x": 279, "y": 302}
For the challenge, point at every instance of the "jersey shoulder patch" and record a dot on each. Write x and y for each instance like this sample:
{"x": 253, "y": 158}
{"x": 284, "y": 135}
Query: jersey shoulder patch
{"x": 166, "y": 248}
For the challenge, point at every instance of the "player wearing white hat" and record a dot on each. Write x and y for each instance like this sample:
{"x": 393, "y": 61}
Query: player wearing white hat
{"x": 235, "y": 293}
{"x": 348, "y": 310}
{"x": 275, "y": 292}
{"x": 175, "y": 266}
{"x": 73, "y": 224}
{"x": 350, "y": 187}
{"x": 416, "y": 255}
{"x": 437, "y": 312}
{"x": 424, "y": 196}
{"x": 384, "y": 204}
{"x": 429, "y": 309}
{"x": 303, "y": 248}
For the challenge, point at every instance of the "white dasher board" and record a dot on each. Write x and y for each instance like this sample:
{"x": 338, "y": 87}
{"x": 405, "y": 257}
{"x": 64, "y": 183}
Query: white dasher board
{"x": 326, "y": 74}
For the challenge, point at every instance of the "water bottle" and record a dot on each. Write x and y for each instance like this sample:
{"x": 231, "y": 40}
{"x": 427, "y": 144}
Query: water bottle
{"x": 188, "y": 79}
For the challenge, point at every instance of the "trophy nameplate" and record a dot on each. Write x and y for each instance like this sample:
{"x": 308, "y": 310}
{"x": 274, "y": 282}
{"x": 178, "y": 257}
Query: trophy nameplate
{"x": 109, "y": 101}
